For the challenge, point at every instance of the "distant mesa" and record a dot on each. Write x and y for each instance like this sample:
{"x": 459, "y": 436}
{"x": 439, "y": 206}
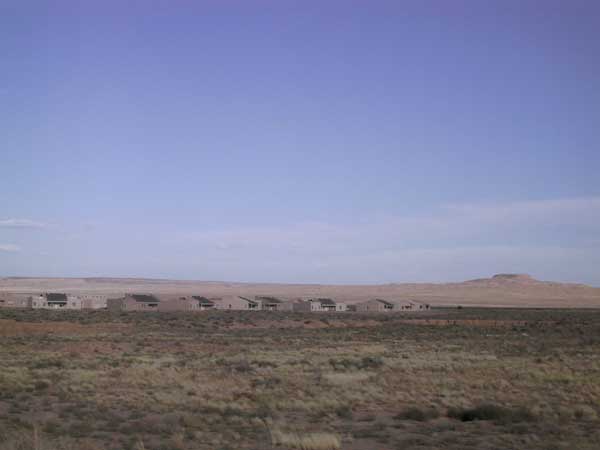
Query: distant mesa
{"x": 513, "y": 276}
{"x": 502, "y": 277}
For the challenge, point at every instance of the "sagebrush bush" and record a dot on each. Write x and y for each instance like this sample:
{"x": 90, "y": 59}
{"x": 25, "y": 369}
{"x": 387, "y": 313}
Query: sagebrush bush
{"x": 489, "y": 411}
{"x": 367, "y": 362}
{"x": 418, "y": 414}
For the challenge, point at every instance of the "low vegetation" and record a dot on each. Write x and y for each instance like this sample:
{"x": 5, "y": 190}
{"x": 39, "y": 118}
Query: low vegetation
{"x": 492, "y": 412}
{"x": 309, "y": 441}
{"x": 449, "y": 378}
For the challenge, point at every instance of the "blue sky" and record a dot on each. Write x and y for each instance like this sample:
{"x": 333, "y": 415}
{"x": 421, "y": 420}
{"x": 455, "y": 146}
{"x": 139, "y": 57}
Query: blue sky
{"x": 285, "y": 141}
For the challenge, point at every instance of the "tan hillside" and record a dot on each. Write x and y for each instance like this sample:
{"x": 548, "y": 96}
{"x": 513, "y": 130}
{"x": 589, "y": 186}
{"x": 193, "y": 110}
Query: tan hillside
{"x": 511, "y": 290}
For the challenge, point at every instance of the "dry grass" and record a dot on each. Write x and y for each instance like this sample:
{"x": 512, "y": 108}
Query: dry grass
{"x": 34, "y": 440}
{"x": 179, "y": 382}
{"x": 308, "y": 441}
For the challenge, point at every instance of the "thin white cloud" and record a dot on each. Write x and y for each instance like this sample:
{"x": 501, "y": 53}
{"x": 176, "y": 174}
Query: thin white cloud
{"x": 9, "y": 248}
{"x": 450, "y": 226}
{"x": 564, "y": 211}
{"x": 21, "y": 223}
{"x": 448, "y": 243}
{"x": 551, "y": 239}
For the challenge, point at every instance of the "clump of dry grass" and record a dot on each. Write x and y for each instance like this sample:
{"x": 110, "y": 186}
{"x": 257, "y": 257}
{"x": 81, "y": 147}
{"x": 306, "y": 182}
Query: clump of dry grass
{"x": 307, "y": 441}
{"x": 34, "y": 440}
{"x": 347, "y": 378}
{"x": 418, "y": 414}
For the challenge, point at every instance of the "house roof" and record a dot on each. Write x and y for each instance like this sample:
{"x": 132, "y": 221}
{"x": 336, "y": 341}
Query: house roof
{"x": 55, "y": 297}
{"x": 385, "y": 302}
{"x": 144, "y": 298}
{"x": 266, "y": 299}
{"x": 416, "y": 302}
{"x": 203, "y": 300}
{"x": 324, "y": 301}
{"x": 249, "y": 301}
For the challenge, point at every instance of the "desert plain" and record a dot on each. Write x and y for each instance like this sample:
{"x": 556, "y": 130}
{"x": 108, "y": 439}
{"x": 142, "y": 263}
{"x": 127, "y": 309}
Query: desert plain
{"x": 523, "y": 372}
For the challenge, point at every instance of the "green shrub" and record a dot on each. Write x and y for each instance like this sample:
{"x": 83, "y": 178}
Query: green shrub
{"x": 418, "y": 414}
{"x": 488, "y": 411}
{"x": 48, "y": 364}
{"x": 41, "y": 385}
{"x": 367, "y": 362}
{"x": 371, "y": 362}
{"x": 344, "y": 412}
{"x": 243, "y": 366}
{"x": 52, "y": 426}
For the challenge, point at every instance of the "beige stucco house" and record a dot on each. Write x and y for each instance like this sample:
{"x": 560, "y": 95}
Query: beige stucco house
{"x": 205, "y": 303}
{"x": 271, "y": 303}
{"x": 330, "y": 305}
{"x": 10, "y": 300}
{"x": 54, "y": 300}
{"x": 319, "y": 305}
{"x": 134, "y": 302}
{"x": 380, "y": 305}
{"x": 375, "y": 305}
{"x": 94, "y": 301}
{"x": 237, "y": 303}
{"x": 179, "y": 304}
{"x": 306, "y": 306}
{"x": 410, "y": 305}
{"x": 287, "y": 306}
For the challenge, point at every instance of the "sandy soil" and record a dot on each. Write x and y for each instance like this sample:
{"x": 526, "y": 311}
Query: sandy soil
{"x": 13, "y": 328}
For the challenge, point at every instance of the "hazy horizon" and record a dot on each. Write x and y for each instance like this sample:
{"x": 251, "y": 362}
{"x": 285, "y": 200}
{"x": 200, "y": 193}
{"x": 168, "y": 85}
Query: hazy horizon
{"x": 191, "y": 280}
{"x": 323, "y": 142}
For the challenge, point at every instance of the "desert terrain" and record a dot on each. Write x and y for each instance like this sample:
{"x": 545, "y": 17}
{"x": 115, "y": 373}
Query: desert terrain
{"x": 498, "y": 363}
{"x": 447, "y": 378}
{"x": 502, "y": 290}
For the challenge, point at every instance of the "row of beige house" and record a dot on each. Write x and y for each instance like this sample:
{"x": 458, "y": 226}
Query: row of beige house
{"x": 148, "y": 302}
{"x": 166, "y": 303}
{"x": 53, "y": 300}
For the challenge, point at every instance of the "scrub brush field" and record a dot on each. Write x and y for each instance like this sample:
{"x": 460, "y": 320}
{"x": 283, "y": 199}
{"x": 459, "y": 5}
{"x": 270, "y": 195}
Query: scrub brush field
{"x": 447, "y": 378}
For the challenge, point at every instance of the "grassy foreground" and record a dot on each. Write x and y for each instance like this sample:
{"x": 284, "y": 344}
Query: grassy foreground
{"x": 453, "y": 379}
